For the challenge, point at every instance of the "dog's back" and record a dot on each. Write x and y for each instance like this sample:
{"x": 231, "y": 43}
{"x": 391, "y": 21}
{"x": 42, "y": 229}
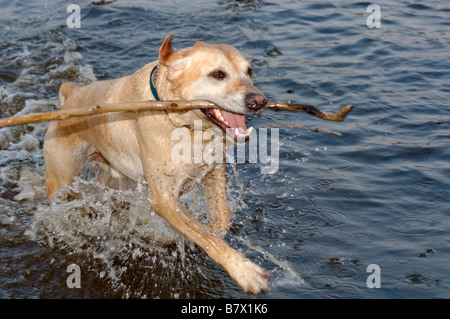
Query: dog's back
{"x": 125, "y": 89}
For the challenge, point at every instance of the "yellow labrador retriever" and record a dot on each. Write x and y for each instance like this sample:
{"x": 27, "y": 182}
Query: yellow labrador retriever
{"x": 139, "y": 146}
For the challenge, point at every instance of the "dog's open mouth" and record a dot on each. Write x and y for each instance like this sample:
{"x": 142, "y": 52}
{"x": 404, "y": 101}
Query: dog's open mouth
{"x": 232, "y": 124}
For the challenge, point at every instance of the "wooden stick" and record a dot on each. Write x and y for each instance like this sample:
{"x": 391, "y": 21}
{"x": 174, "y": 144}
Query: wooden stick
{"x": 311, "y": 110}
{"x": 106, "y": 108}
{"x": 173, "y": 106}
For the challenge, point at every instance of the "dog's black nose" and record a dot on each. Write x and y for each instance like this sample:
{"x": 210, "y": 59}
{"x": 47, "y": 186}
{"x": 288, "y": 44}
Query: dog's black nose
{"x": 255, "y": 101}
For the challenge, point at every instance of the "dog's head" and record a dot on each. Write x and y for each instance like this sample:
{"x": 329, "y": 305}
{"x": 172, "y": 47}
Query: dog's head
{"x": 217, "y": 73}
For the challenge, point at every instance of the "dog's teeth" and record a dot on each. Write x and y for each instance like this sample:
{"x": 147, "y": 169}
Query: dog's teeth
{"x": 249, "y": 131}
{"x": 219, "y": 116}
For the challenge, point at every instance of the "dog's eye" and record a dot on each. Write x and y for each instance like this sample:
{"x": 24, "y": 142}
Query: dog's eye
{"x": 250, "y": 72}
{"x": 218, "y": 74}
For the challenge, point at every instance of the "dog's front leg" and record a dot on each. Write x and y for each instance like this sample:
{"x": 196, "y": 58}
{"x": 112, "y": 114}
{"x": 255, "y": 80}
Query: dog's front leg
{"x": 216, "y": 197}
{"x": 250, "y": 277}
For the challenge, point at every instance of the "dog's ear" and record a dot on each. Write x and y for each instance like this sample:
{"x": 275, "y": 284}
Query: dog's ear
{"x": 167, "y": 55}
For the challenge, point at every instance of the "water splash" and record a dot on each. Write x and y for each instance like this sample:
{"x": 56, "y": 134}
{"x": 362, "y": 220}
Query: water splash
{"x": 118, "y": 238}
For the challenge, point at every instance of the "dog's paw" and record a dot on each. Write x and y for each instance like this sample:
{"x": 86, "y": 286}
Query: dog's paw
{"x": 252, "y": 278}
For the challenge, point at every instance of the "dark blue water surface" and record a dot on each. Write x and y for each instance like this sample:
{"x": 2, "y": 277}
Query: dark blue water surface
{"x": 378, "y": 194}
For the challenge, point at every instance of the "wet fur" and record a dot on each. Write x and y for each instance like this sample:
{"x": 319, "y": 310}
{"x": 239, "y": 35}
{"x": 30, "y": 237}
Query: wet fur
{"x": 138, "y": 146}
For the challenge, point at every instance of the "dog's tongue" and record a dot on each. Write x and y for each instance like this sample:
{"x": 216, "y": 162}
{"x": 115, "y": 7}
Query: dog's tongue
{"x": 235, "y": 120}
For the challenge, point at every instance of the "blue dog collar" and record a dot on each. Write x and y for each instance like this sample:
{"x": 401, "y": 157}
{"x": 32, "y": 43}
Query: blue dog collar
{"x": 152, "y": 83}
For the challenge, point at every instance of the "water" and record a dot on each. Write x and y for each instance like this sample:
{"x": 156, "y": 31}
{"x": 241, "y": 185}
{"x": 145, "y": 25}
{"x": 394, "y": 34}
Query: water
{"x": 378, "y": 194}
